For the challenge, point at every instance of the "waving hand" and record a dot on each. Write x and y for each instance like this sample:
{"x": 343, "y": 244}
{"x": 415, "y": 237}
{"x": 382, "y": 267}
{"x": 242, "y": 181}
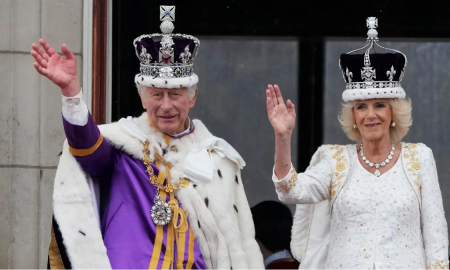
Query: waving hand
{"x": 281, "y": 116}
{"x": 62, "y": 71}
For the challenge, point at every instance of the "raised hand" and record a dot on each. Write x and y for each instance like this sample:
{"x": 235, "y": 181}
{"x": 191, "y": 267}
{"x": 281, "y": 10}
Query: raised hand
{"x": 62, "y": 71}
{"x": 281, "y": 116}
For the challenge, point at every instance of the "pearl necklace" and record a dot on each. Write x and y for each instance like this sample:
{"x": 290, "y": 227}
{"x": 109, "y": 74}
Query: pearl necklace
{"x": 377, "y": 165}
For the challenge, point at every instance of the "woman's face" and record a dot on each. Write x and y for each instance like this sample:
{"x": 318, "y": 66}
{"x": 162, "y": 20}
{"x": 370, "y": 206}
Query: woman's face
{"x": 373, "y": 117}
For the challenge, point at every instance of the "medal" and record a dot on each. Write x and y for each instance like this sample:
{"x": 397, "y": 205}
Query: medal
{"x": 161, "y": 213}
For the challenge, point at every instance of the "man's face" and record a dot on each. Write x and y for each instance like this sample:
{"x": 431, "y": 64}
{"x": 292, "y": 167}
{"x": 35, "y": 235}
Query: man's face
{"x": 167, "y": 109}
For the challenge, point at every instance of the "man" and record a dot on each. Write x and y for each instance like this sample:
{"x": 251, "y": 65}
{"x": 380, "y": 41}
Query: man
{"x": 273, "y": 223}
{"x": 166, "y": 193}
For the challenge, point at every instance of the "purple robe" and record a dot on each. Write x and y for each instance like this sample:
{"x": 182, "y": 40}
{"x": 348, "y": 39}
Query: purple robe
{"x": 131, "y": 238}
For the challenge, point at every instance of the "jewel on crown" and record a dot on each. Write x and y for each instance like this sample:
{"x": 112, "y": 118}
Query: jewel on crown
{"x": 144, "y": 56}
{"x": 156, "y": 52}
{"x": 167, "y": 16}
{"x": 186, "y": 56}
{"x": 372, "y": 23}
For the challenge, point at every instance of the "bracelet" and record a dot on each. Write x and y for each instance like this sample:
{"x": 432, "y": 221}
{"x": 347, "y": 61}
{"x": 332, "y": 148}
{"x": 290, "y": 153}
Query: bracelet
{"x": 281, "y": 163}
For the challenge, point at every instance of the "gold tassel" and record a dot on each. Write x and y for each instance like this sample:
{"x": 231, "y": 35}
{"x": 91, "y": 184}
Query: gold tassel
{"x": 177, "y": 212}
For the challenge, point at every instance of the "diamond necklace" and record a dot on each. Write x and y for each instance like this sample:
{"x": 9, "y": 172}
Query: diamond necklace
{"x": 377, "y": 165}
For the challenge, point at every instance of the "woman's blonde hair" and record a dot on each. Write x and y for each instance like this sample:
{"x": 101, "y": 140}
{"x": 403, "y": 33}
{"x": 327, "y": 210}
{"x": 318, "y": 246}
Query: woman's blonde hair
{"x": 401, "y": 115}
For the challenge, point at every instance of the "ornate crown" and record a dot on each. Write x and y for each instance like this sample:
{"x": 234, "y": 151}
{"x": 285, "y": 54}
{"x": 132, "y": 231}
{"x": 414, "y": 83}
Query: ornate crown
{"x": 166, "y": 59}
{"x": 376, "y": 75}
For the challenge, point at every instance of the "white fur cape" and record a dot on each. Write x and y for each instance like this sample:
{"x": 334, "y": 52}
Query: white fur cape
{"x": 218, "y": 212}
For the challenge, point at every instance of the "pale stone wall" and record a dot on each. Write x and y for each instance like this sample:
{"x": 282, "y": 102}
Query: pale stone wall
{"x": 31, "y": 132}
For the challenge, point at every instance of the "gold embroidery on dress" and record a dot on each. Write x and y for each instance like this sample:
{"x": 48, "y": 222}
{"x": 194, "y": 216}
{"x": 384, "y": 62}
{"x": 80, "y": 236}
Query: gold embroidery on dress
{"x": 283, "y": 187}
{"x": 286, "y": 186}
{"x": 341, "y": 163}
{"x": 293, "y": 177}
{"x": 438, "y": 265}
{"x": 413, "y": 164}
{"x": 277, "y": 188}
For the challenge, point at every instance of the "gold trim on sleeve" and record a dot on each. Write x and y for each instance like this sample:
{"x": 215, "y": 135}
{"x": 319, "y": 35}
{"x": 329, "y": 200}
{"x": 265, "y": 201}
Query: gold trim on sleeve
{"x": 86, "y": 152}
{"x": 287, "y": 185}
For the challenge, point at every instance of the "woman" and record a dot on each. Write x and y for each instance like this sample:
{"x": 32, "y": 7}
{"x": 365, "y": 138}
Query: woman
{"x": 383, "y": 206}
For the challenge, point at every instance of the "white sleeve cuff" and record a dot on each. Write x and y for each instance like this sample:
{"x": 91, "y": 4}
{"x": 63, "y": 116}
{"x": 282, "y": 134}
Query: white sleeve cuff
{"x": 74, "y": 110}
{"x": 287, "y": 177}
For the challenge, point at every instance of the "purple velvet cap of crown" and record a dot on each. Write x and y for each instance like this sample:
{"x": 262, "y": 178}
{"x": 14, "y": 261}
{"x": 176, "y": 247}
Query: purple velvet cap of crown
{"x": 153, "y": 45}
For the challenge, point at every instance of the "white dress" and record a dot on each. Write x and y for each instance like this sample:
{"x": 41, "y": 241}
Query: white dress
{"x": 376, "y": 221}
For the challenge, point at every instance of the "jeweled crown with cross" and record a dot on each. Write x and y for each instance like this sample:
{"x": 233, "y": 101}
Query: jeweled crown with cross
{"x": 167, "y": 59}
{"x": 376, "y": 75}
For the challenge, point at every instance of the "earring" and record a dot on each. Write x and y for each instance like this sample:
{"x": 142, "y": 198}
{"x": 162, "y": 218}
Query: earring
{"x": 393, "y": 124}
{"x": 354, "y": 126}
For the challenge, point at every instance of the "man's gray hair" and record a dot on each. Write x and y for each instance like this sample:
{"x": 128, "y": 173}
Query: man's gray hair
{"x": 142, "y": 89}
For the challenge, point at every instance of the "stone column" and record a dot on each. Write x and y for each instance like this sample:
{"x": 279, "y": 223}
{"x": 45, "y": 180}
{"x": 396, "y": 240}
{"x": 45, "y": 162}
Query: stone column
{"x": 31, "y": 133}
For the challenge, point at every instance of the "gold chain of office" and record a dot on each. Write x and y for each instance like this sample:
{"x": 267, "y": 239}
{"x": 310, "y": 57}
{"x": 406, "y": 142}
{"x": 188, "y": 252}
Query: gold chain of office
{"x": 169, "y": 187}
